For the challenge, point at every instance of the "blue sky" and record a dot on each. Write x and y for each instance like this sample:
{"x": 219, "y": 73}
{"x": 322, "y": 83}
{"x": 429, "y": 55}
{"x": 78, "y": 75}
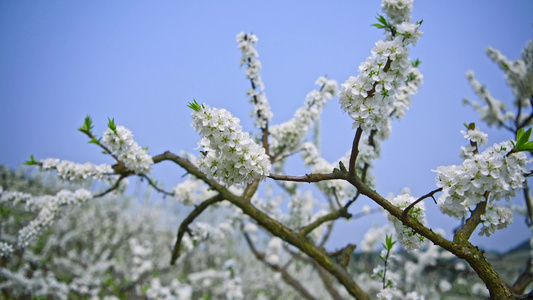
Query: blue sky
{"x": 140, "y": 62}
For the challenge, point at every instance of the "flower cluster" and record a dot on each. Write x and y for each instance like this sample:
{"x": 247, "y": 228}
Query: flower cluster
{"x": 492, "y": 175}
{"x": 403, "y": 96}
{"x": 49, "y": 209}
{"x": 231, "y": 156}
{"x": 288, "y": 136}
{"x": 475, "y": 136}
{"x": 120, "y": 141}
{"x": 495, "y": 111}
{"x": 191, "y": 191}
{"x": 273, "y": 251}
{"x": 519, "y": 75}
{"x": 5, "y": 249}
{"x": 370, "y": 98}
{"x": 176, "y": 290}
{"x": 261, "y": 110}
{"x": 496, "y": 217}
{"x": 72, "y": 171}
{"x": 399, "y": 11}
{"x": 407, "y": 237}
{"x": 141, "y": 252}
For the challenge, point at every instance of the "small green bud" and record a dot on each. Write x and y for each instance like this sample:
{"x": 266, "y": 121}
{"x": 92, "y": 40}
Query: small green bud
{"x": 31, "y": 162}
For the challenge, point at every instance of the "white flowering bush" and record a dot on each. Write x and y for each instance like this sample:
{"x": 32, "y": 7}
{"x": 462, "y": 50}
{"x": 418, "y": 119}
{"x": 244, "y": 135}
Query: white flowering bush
{"x": 226, "y": 173}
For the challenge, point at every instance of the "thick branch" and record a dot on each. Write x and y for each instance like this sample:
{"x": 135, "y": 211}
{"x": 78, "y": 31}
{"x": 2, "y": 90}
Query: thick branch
{"x": 184, "y": 226}
{"x": 279, "y": 230}
{"x": 271, "y": 225}
{"x": 464, "y": 233}
{"x": 463, "y": 249}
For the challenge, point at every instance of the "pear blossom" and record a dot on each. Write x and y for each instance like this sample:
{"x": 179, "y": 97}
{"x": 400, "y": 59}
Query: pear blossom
{"x": 72, "y": 171}
{"x": 369, "y": 97}
{"x": 261, "y": 110}
{"x": 5, "y": 249}
{"x": 491, "y": 175}
{"x": 273, "y": 251}
{"x": 120, "y": 142}
{"x": 475, "y": 135}
{"x": 519, "y": 76}
{"x": 407, "y": 237}
{"x": 398, "y": 11}
{"x": 49, "y": 211}
{"x": 231, "y": 156}
{"x": 287, "y": 137}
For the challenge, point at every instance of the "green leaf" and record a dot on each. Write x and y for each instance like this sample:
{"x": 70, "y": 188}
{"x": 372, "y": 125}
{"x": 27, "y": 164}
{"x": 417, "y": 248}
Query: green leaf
{"x": 111, "y": 125}
{"x": 195, "y": 106}
{"x": 31, "y": 162}
{"x": 95, "y": 141}
{"x": 416, "y": 63}
{"x": 87, "y": 125}
{"x": 527, "y": 147}
{"x": 522, "y": 137}
{"x": 378, "y": 26}
{"x": 382, "y": 22}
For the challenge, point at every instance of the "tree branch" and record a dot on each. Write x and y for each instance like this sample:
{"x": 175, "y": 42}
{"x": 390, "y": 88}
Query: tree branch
{"x": 430, "y": 194}
{"x": 306, "y": 178}
{"x": 355, "y": 150}
{"x": 184, "y": 226}
{"x": 462, "y": 249}
{"x": 464, "y": 233}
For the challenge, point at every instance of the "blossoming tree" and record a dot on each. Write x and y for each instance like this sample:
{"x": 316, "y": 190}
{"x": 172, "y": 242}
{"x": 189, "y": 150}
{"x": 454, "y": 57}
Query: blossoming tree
{"x": 231, "y": 164}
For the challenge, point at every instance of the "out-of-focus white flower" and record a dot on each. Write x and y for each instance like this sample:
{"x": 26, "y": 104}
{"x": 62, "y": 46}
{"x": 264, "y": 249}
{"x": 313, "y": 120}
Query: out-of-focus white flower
{"x": 72, "y": 171}
{"x": 261, "y": 111}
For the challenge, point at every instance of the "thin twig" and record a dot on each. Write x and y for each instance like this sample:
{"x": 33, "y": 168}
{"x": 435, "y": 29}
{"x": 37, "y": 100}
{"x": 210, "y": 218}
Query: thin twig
{"x": 153, "y": 184}
{"x": 430, "y": 194}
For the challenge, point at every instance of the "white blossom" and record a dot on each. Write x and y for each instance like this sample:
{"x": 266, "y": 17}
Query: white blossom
{"x": 407, "y": 237}
{"x": 231, "y": 156}
{"x": 273, "y": 251}
{"x": 261, "y": 111}
{"x": 120, "y": 142}
{"x": 5, "y": 249}
{"x": 398, "y": 11}
{"x": 491, "y": 176}
{"x": 288, "y": 136}
{"x": 49, "y": 210}
{"x": 72, "y": 171}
